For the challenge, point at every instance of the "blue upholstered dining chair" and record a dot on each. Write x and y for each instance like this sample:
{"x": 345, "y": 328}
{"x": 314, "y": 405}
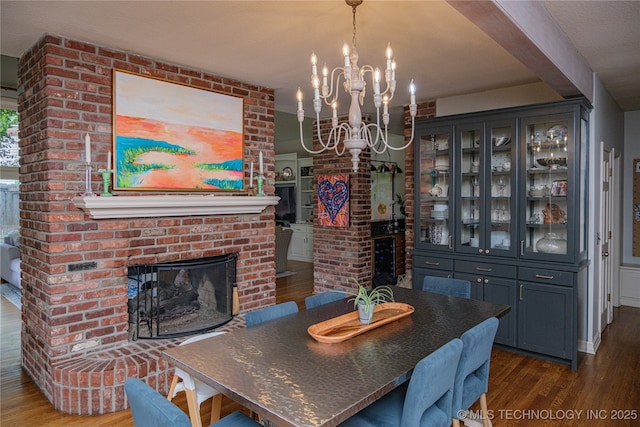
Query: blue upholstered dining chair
{"x": 196, "y": 391}
{"x": 447, "y": 286}
{"x": 271, "y": 312}
{"x": 151, "y": 409}
{"x": 472, "y": 376}
{"x": 322, "y": 298}
{"x": 426, "y": 401}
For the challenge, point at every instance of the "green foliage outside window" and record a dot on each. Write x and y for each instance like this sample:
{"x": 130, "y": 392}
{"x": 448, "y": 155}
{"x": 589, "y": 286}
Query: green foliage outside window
{"x": 8, "y": 138}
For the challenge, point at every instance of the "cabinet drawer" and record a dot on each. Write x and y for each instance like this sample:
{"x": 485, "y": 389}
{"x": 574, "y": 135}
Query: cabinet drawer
{"x": 434, "y": 263}
{"x": 486, "y": 269}
{"x": 554, "y": 277}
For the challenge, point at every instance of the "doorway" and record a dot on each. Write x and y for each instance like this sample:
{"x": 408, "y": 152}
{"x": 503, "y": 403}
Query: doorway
{"x": 608, "y": 251}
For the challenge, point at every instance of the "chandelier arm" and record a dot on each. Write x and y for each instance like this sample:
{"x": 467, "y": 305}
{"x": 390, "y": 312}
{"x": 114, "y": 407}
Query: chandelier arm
{"x": 410, "y": 141}
{"x": 331, "y": 93}
{"x": 367, "y": 69}
{"x": 388, "y": 91}
{"x": 380, "y": 140}
{"x": 328, "y": 145}
{"x": 310, "y": 151}
{"x": 344, "y": 127}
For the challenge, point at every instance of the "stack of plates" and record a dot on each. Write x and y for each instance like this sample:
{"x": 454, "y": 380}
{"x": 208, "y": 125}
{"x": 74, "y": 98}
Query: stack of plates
{"x": 440, "y": 214}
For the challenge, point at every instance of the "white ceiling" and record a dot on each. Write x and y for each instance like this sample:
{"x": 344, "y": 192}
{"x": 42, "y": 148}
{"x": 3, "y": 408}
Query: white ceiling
{"x": 268, "y": 43}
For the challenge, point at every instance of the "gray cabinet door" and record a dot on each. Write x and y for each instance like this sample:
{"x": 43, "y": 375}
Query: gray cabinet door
{"x": 500, "y": 291}
{"x": 503, "y": 291}
{"x": 545, "y": 316}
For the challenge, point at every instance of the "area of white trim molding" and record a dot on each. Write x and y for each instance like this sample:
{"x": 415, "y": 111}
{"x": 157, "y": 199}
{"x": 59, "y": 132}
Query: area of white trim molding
{"x": 171, "y": 205}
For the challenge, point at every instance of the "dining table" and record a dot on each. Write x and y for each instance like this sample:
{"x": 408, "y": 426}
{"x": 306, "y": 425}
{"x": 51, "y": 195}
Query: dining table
{"x": 279, "y": 371}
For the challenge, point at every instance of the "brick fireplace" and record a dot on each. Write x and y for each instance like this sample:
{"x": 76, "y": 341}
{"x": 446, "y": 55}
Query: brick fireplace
{"x": 75, "y": 322}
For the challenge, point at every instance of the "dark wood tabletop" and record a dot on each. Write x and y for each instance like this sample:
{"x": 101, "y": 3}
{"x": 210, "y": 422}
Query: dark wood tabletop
{"x": 279, "y": 371}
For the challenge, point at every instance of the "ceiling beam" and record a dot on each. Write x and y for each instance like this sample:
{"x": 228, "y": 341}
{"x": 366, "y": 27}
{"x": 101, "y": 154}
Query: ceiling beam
{"x": 528, "y": 32}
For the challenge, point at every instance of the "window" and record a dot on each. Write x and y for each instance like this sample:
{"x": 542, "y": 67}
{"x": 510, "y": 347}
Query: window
{"x": 9, "y": 184}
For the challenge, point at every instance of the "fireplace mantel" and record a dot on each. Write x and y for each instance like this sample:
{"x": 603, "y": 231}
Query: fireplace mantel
{"x": 171, "y": 205}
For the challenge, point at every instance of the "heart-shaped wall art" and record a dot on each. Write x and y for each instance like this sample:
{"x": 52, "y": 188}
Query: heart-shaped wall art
{"x": 333, "y": 196}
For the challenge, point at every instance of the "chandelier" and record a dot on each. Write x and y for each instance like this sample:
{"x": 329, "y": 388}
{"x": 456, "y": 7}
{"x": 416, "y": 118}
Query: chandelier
{"x": 354, "y": 135}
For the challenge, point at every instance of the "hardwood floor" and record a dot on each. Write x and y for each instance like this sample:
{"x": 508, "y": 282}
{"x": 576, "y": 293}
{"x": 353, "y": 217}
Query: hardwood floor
{"x": 523, "y": 391}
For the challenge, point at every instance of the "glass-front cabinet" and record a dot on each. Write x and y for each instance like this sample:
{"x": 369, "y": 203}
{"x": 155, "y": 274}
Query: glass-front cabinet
{"x": 554, "y": 183}
{"x": 501, "y": 201}
{"x": 487, "y": 191}
{"x": 434, "y": 189}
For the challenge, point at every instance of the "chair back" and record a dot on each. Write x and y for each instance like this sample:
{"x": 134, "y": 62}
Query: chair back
{"x": 200, "y": 337}
{"x": 150, "y": 409}
{"x": 447, "y": 286}
{"x": 271, "y": 312}
{"x": 203, "y": 392}
{"x": 322, "y": 298}
{"x": 472, "y": 376}
{"x": 430, "y": 392}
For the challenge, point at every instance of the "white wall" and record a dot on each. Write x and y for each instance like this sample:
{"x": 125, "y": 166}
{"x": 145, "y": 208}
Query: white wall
{"x": 606, "y": 126}
{"x": 535, "y": 93}
{"x": 630, "y": 273}
{"x": 631, "y": 151}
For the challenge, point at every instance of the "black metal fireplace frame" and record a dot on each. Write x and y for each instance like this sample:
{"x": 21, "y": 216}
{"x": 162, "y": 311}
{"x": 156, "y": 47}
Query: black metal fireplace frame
{"x": 144, "y": 308}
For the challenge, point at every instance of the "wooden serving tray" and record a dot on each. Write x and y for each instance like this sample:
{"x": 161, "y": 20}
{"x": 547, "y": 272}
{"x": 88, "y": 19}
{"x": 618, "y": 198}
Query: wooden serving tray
{"x": 348, "y": 325}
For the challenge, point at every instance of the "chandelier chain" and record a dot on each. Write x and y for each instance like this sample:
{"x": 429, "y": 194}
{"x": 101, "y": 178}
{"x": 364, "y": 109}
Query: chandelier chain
{"x": 353, "y": 42}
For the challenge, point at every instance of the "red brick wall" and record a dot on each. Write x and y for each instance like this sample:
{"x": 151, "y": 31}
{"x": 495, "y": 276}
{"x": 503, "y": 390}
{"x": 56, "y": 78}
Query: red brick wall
{"x": 74, "y": 298}
{"x": 341, "y": 253}
{"x": 425, "y": 110}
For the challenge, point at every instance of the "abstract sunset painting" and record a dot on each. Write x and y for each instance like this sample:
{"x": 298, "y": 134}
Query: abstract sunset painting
{"x": 169, "y": 136}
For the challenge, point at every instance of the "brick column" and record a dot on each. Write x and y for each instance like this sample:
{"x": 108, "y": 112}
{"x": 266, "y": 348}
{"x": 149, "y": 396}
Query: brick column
{"x": 425, "y": 110}
{"x": 341, "y": 253}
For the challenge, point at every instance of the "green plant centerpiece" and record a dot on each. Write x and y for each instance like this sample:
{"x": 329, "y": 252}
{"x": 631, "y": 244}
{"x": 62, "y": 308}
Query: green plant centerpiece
{"x": 366, "y": 299}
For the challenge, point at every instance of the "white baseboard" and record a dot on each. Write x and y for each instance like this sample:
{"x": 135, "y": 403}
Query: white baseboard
{"x": 590, "y": 347}
{"x": 630, "y": 286}
{"x": 631, "y": 302}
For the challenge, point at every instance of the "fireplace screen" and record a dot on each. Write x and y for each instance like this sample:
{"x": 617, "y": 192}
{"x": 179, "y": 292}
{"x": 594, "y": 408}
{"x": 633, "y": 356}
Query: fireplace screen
{"x": 181, "y": 298}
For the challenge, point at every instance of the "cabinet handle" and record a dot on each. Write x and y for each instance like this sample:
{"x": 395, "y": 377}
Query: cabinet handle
{"x": 431, "y": 263}
{"x": 483, "y": 269}
{"x": 522, "y": 247}
{"x": 540, "y": 276}
{"x": 521, "y": 297}
{"x": 451, "y": 241}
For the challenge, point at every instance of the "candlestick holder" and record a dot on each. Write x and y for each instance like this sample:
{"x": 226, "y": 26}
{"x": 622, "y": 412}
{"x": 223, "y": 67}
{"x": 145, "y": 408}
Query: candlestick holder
{"x": 251, "y": 190}
{"x": 260, "y": 180}
{"x": 87, "y": 181}
{"x": 106, "y": 181}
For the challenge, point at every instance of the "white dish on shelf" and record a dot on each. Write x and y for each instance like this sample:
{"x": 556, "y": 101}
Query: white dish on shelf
{"x": 497, "y": 237}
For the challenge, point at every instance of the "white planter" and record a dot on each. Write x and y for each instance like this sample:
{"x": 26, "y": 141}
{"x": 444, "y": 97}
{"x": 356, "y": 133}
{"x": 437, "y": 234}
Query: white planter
{"x": 365, "y": 315}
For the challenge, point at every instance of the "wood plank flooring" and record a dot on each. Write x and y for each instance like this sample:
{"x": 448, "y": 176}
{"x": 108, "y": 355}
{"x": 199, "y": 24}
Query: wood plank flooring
{"x": 523, "y": 391}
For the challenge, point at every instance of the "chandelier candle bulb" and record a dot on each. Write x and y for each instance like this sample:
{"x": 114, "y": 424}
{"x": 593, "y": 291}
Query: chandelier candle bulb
{"x": 412, "y": 90}
{"x": 325, "y": 74}
{"x": 314, "y": 68}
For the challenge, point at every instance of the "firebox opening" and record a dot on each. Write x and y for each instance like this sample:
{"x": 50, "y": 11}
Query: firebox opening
{"x": 180, "y": 298}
